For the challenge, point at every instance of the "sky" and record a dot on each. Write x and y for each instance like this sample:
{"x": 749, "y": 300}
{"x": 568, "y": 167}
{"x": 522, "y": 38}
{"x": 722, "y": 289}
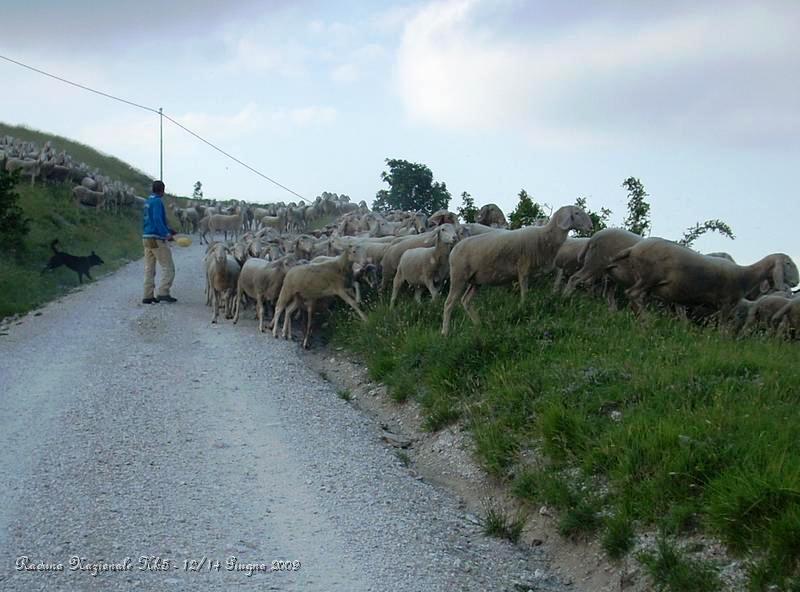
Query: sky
{"x": 699, "y": 100}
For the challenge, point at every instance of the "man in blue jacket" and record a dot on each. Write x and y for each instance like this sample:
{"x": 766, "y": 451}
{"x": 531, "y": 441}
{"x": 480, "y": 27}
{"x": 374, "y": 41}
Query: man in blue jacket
{"x": 155, "y": 234}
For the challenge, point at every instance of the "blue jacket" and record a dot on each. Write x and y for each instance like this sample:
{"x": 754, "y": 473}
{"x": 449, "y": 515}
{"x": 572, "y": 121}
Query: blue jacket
{"x": 154, "y": 219}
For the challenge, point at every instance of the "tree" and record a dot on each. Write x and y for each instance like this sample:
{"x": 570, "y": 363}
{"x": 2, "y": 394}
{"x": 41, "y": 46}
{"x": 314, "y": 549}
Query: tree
{"x": 13, "y": 225}
{"x": 599, "y": 221}
{"x": 527, "y": 212}
{"x": 694, "y": 232}
{"x": 468, "y": 211}
{"x": 411, "y": 188}
{"x": 638, "y": 220}
{"x": 198, "y": 191}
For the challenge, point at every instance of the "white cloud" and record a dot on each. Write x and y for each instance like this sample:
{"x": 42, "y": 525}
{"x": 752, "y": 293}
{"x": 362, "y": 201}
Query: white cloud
{"x": 587, "y": 80}
{"x": 345, "y": 73}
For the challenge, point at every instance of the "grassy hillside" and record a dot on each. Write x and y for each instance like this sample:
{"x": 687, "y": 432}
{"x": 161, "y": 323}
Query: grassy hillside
{"x": 52, "y": 212}
{"x": 621, "y": 425}
{"x": 108, "y": 165}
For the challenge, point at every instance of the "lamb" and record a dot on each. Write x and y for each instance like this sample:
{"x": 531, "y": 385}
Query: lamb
{"x": 425, "y": 266}
{"x": 222, "y": 275}
{"x": 500, "y": 256}
{"x": 393, "y": 253}
{"x": 568, "y": 261}
{"x": 757, "y": 314}
{"x": 226, "y": 223}
{"x": 306, "y": 284}
{"x": 678, "y": 275}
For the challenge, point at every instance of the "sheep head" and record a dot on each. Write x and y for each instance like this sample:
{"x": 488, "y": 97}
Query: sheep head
{"x": 572, "y": 218}
{"x": 784, "y": 272}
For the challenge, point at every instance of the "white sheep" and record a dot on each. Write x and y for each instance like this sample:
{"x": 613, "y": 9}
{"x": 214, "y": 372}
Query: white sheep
{"x": 501, "y": 256}
{"x": 304, "y": 285}
{"x": 222, "y": 275}
{"x": 226, "y": 223}
{"x": 678, "y": 275}
{"x": 425, "y": 266}
{"x": 758, "y": 314}
{"x": 568, "y": 261}
{"x": 787, "y": 319}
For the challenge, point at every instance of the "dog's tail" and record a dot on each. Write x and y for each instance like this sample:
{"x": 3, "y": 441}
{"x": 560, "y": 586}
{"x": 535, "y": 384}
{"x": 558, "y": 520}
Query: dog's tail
{"x": 53, "y": 246}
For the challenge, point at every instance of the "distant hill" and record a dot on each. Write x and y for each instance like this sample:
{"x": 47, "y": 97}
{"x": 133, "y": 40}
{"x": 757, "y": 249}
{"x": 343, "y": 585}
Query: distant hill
{"x": 108, "y": 165}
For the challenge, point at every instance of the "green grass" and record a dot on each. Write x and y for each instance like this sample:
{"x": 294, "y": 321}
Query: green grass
{"x": 686, "y": 428}
{"x": 53, "y": 214}
{"x": 672, "y": 571}
{"x": 498, "y": 523}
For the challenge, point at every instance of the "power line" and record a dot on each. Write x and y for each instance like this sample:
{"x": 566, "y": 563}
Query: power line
{"x": 159, "y": 113}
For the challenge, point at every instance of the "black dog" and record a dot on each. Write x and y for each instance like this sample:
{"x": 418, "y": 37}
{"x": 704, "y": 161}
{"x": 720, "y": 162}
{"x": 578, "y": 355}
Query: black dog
{"x": 80, "y": 265}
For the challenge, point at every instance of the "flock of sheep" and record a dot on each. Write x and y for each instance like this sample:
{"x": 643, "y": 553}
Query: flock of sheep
{"x": 274, "y": 262}
{"x": 45, "y": 164}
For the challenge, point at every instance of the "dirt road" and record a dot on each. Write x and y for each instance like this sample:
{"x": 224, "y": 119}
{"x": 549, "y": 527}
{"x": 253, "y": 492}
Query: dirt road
{"x": 143, "y": 448}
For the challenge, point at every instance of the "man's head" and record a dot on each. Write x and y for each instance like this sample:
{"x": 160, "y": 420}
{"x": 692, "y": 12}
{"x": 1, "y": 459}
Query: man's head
{"x": 158, "y": 187}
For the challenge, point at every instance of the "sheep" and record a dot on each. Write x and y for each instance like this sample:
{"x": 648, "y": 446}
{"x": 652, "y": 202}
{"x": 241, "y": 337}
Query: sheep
{"x": 226, "y": 223}
{"x": 88, "y": 197}
{"x": 440, "y": 217}
{"x": 393, "y": 253}
{"x": 305, "y": 284}
{"x": 500, "y": 256}
{"x": 676, "y": 274}
{"x": 757, "y": 314}
{"x": 722, "y": 255}
{"x": 473, "y": 228}
{"x": 425, "y": 266}
{"x": 787, "y": 319}
{"x": 27, "y": 167}
{"x": 261, "y": 280}
{"x": 568, "y": 261}
{"x": 597, "y": 255}
{"x": 222, "y": 275}
{"x": 491, "y": 215}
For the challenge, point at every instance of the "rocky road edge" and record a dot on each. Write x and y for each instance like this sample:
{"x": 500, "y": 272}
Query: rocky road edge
{"x": 446, "y": 458}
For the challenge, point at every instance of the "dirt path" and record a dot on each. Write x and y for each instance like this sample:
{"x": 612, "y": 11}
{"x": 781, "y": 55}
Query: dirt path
{"x": 132, "y": 430}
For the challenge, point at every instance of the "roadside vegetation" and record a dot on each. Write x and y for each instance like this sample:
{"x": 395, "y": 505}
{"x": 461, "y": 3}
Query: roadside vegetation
{"x": 618, "y": 424}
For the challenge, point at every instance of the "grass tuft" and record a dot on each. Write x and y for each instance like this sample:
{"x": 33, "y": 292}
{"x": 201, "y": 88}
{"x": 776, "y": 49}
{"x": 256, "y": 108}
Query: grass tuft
{"x": 498, "y": 523}
{"x": 672, "y": 571}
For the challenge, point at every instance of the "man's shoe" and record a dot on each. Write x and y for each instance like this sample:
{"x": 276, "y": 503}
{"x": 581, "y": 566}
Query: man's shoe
{"x": 166, "y": 298}
{"x": 149, "y": 300}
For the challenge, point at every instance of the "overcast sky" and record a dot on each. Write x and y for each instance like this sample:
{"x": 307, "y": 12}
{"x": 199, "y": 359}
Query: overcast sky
{"x": 700, "y": 100}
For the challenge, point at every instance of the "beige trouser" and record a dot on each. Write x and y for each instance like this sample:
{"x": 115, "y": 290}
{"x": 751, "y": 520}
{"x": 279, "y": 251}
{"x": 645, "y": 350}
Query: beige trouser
{"x": 157, "y": 250}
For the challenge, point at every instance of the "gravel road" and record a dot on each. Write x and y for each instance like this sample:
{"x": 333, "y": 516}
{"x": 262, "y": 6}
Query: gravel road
{"x": 133, "y": 431}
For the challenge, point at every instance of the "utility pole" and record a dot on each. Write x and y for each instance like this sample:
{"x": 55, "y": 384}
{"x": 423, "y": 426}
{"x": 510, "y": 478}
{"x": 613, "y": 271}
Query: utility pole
{"x": 161, "y": 141}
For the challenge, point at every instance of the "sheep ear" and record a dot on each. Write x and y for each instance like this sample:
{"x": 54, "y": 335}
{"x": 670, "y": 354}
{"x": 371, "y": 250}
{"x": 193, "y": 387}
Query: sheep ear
{"x": 777, "y": 275}
{"x": 565, "y": 221}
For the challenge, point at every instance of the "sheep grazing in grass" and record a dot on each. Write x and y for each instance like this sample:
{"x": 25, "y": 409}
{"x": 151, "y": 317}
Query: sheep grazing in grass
{"x": 222, "y": 276}
{"x": 304, "y": 285}
{"x": 87, "y": 197}
{"x": 751, "y": 315}
{"x": 599, "y": 251}
{"x": 501, "y": 256}
{"x": 678, "y": 275}
{"x": 425, "y": 266}
{"x": 568, "y": 261}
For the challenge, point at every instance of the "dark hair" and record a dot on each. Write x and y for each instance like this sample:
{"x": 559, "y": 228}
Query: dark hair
{"x": 158, "y": 186}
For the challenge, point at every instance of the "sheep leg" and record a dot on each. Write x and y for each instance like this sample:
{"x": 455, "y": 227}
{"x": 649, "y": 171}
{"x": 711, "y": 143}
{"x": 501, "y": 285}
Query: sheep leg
{"x": 287, "y": 320}
{"x": 310, "y": 311}
{"x": 215, "y": 305}
{"x": 353, "y": 304}
{"x": 558, "y": 281}
{"x": 276, "y": 319}
{"x": 418, "y": 294}
{"x": 397, "y": 284}
{"x": 434, "y": 291}
{"x": 260, "y": 311}
{"x": 466, "y": 299}
{"x": 357, "y": 288}
{"x": 238, "y": 305}
{"x": 523, "y": 286}
{"x": 456, "y": 290}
